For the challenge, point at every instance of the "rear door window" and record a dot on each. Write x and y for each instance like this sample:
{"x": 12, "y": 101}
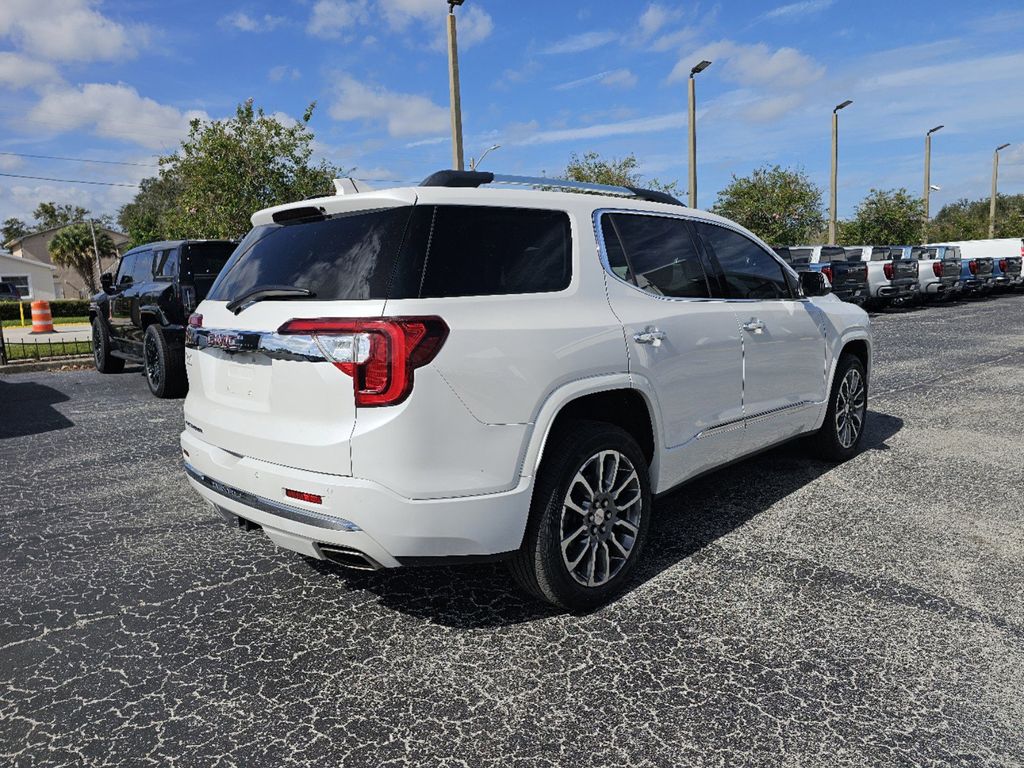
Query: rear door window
{"x": 142, "y": 270}
{"x": 750, "y": 272}
{"x": 165, "y": 264}
{"x": 655, "y": 253}
{"x": 487, "y": 251}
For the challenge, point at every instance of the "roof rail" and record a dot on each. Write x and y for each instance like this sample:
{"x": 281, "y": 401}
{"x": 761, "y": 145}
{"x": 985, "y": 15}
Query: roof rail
{"x": 479, "y": 178}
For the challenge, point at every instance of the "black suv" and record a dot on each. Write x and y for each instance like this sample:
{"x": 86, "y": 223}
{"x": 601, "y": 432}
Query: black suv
{"x": 142, "y": 311}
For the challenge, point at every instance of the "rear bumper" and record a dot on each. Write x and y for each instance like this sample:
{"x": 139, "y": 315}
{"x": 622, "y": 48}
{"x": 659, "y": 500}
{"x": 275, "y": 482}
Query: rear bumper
{"x": 897, "y": 291}
{"x": 355, "y": 514}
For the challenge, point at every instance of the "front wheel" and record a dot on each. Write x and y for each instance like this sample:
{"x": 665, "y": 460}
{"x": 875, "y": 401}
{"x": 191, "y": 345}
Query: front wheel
{"x": 101, "y": 357}
{"x": 589, "y": 517}
{"x": 164, "y": 365}
{"x": 839, "y": 437}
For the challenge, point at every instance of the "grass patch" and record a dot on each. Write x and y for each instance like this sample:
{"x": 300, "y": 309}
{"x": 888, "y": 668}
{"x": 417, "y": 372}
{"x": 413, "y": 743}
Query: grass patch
{"x": 56, "y": 321}
{"x": 43, "y": 350}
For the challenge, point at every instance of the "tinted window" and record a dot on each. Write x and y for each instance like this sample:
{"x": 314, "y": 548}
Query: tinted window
{"x": 14, "y": 285}
{"x": 750, "y": 272}
{"x": 832, "y": 253}
{"x": 483, "y": 251}
{"x": 142, "y": 271}
{"x": 917, "y": 253}
{"x": 207, "y": 259}
{"x": 880, "y": 254}
{"x": 659, "y": 254}
{"x": 124, "y": 272}
{"x": 349, "y": 256}
{"x": 799, "y": 256}
{"x": 166, "y": 264}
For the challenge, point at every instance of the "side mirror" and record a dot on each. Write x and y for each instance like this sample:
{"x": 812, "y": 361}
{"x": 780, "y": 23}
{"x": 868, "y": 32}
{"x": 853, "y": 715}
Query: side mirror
{"x": 814, "y": 284}
{"x": 107, "y": 282}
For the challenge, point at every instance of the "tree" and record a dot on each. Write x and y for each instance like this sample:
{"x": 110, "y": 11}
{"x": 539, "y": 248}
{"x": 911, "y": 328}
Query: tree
{"x": 968, "y": 219}
{"x": 885, "y": 217}
{"x": 147, "y": 217}
{"x": 615, "y": 172}
{"x": 73, "y": 247}
{"x": 231, "y": 168}
{"x": 51, "y": 215}
{"x": 777, "y": 204}
{"x": 12, "y": 229}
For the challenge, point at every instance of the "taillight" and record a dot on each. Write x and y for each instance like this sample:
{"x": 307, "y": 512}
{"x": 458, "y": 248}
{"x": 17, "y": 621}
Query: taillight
{"x": 937, "y": 268}
{"x": 973, "y": 266}
{"x": 195, "y": 320}
{"x": 379, "y": 354}
{"x": 827, "y": 272}
{"x": 887, "y": 268}
{"x": 312, "y": 498}
{"x": 1002, "y": 265}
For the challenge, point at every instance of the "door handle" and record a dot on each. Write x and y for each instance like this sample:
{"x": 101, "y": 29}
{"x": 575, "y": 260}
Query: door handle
{"x": 649, "y": 336}
{"x": 754, "y": 326}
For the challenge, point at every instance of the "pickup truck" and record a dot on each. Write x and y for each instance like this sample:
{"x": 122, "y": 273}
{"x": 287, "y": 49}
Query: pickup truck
{"x": 849, "y": 278}
{"x": 938, "y": 273}
{"x": 892, "y": 277}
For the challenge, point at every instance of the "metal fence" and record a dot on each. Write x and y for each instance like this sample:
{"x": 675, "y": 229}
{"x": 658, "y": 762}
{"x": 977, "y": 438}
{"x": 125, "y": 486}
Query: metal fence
{"x": 41, "y": 349}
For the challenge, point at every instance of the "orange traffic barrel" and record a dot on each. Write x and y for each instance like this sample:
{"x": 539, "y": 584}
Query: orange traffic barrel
{"x": 42, "y": 322}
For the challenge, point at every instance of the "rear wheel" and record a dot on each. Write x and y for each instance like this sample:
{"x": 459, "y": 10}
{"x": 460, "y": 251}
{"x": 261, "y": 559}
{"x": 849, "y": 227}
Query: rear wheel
{"x": 839, "y": 437}
{"x": 163, "y": 364}
{"x": 104, "y": 361}
{"x": 589, "y": 518}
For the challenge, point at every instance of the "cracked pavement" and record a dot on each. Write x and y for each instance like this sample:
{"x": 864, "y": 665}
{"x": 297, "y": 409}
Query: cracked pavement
{"x": 787, "y": 612}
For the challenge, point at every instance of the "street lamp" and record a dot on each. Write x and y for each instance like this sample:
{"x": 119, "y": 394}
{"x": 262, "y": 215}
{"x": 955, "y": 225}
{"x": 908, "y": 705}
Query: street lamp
{"x": 697, "y": 69}
{"x": 928, "y": 174}
{"x": 992, "y": 203}
{"x": 474, "y": 164}
{"x": 453, "y": 86}
{"x": 835, "y": 165}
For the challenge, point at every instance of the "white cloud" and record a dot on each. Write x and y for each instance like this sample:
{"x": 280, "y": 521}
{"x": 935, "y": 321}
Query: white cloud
{"x": 246, "y": 23}
{"x": 283, "y": 72}
{"x": 67, "y": 30}
{"x": 585, "y": 41}
{"x": 754, "y": 65}
{"x": 797, "y": 10}
{"x": 654, "y": 18}
{"x": 670, "y": 121}
{"x": 475, "y": 25}
{"x": 112, "y": 111}
{"x": 405, "y": 114}
{"x": 17, "y": 71}
{"x": 613, "y": 78}
{"x": 330, "y": 18}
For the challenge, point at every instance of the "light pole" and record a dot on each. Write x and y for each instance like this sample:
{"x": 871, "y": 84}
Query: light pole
{"x": 835, "y": 165}
{"x": 928, "y": 176}
{"x": 995, "y": 181}
{"x": 453, "y": 86}
{"x": 474, "y": 164}
{"x": 693, "y": 131}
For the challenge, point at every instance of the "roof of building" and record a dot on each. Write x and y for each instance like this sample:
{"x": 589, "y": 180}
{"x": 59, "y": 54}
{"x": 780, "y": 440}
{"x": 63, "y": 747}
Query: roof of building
{"x": 25, "y": 260}
{"x": 113, "y": 233}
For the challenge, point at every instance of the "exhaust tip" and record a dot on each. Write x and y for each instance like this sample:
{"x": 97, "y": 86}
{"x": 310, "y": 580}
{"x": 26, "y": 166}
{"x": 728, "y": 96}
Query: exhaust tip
{"x": 348, "y": 558}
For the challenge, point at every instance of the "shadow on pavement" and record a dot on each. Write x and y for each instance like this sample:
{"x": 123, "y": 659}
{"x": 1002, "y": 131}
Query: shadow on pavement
{"x": 686, "y": 520}
{"x": 27, "y": 409}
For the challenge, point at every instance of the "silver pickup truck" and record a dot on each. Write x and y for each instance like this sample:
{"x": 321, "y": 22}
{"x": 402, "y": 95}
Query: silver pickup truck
{"x": 938, "y": 269}
{"x": 892, "y": 276}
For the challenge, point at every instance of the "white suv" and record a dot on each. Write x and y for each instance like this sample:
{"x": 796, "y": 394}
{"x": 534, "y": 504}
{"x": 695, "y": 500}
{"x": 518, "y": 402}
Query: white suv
{"x": 448, "y": 373}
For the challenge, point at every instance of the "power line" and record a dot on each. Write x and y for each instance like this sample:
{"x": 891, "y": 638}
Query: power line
{"x": 70, "y": 181}
{"x": 79, "y": 159}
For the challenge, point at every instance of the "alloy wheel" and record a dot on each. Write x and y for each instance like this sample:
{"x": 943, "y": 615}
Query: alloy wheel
{"x": 851, "y": 403}
{"x": 600, "y": 518}
{"x": 152, "y": 363}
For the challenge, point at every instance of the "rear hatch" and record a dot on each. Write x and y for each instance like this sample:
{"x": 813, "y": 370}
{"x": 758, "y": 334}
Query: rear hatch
{"x": 951, "y": 265}
{"x": 287, "y": 397}
{"x": 847, "y": 275}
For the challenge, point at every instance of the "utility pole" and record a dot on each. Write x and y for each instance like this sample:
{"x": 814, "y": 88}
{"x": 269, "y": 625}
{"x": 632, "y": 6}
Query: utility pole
{"x": 995, "y": 182}
{"x": 96, "y": 250}
{"x": 693, "y": 130}
{"x": 453, "y": 87}
{"x": 928, "y": 177}
{"x": 835, "y": 172}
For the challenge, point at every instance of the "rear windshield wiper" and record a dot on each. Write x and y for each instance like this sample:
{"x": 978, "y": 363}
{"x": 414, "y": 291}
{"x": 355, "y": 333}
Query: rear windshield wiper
{"x": 261, "y": 292}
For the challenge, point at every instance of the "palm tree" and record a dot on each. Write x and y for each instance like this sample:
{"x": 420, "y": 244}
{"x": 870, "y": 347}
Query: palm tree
{"x": 73, "y": 247}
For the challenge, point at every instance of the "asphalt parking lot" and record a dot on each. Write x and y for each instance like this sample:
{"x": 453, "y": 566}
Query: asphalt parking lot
{"x": 788, "y": 612}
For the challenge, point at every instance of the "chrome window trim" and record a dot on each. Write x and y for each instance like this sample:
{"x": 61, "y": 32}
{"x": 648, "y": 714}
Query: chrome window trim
{"x": 602, "y": 253}
{"x": 304, "y": 516}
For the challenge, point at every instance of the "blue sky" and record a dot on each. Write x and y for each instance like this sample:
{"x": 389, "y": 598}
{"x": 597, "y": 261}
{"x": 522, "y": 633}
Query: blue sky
{"x": 118, "y": 81}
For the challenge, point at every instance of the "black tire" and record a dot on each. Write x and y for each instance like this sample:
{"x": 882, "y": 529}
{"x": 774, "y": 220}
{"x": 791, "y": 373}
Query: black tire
{"x": 832, "y": 442}
{"x": 101, "y": 357}
{"x": 539, "y": 566}
{"x": 163, "y": 364}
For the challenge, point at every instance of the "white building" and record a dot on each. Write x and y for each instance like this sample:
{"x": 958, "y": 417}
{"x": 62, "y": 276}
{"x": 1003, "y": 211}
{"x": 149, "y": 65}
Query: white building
{"x": 33, "y": 278}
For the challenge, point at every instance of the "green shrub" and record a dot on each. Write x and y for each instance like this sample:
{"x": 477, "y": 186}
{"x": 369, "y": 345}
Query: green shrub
{"x": 58, "y": 308}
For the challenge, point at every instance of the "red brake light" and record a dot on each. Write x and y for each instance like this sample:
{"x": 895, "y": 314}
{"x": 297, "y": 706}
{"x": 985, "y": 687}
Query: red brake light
{"x": 827, "y": 272}
{"x": 937, "y": 268}
{"x": 887, "y": 268}
{"x": 312, "y": 498}
{"x": 195, "y": 320}
{"x": 380, "y": 354}
{"x": 973, "y": 266}
{"x": 1002, "y": 265}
